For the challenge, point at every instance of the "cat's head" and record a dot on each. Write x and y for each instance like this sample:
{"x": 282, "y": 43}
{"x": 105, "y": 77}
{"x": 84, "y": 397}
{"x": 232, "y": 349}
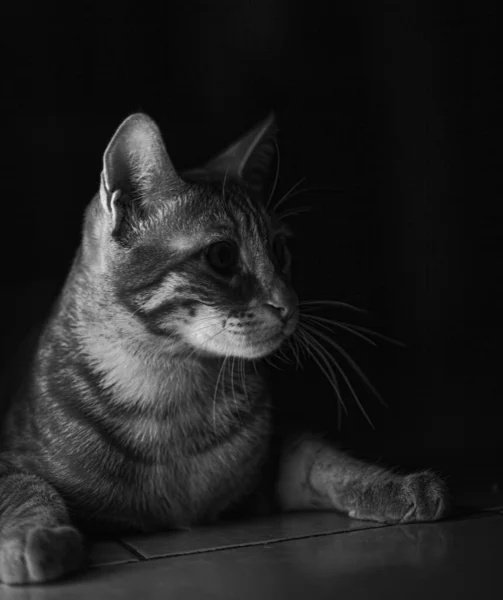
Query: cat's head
{"x": 194, "y": 257}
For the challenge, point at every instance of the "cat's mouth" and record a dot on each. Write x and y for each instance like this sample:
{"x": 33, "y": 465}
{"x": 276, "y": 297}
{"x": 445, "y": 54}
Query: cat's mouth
{"x": 255, "y": 339}
{"x": 251, "y": 346}
{"x": 269, "y": 344}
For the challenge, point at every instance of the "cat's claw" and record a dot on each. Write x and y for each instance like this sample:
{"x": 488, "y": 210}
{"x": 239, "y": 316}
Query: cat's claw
{"x": 40, "y": 554}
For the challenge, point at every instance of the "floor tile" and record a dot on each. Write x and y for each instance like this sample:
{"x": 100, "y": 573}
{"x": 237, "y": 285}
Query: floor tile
{"x": 459, "y": 559}
{"x": 109, "y": 553}
{"x": 234, "y": 534}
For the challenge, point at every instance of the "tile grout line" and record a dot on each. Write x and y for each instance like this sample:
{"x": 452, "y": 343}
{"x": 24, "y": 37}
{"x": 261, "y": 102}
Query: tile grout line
{"x": 142, "y": 558}
{"x": 263, "y": 542}
{"x": 132, "y": 550}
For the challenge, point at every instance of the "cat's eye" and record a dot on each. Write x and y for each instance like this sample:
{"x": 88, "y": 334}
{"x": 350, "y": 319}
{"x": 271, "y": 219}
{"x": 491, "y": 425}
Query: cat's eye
{"x": 223, "y": 257}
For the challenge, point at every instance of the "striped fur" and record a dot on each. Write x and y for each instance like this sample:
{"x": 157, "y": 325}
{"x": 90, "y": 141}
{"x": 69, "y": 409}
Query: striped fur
{"x": 143, "y": 409}
{"x": 140, "y": 412}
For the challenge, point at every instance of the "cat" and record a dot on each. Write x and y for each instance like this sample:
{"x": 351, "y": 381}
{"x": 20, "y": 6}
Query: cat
{"x": 131, "y": 418}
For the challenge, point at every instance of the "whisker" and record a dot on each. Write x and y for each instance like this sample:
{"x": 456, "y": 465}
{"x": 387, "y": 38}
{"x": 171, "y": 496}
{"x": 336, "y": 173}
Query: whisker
{"x": 343, "y": 375}
{"x": 350, "y": 360}
{"x": 236, "y": 404}
{"x": 353, "y": 326}
{"x": 273, "y": 191}
{"x": 334, "y": 384}
{"x": 302, "y": 350}
{"x": 292, "y": 343}
{"x": 269, "y": 359}
{"x": 293, "y": 212}
{"x": 322, "y": 303}
{"x": 137, "y": 310}
{"x": 343, "y": 326}
{"x": 282, "y": 356}
{"x": 184, "y": 363}
{"x": 223, "y": 184}
{"x": 243, "y": 378}
{"x": 222, "y": 367}
{"x": 318, "y": 190}
{"x": 285, "y": 197}
{"x": 232, "y": 382}
{"x": 207, "y": 326}
{"x": 379, "y": 335}
{"x": 310, "y": 345}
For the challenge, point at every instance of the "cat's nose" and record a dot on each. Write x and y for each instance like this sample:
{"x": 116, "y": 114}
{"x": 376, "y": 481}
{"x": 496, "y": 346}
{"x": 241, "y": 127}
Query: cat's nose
{"x": 284, "y": 303}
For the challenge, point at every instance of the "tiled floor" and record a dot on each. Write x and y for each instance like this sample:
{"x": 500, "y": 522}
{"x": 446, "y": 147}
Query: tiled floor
{"x": 315, "y": 555}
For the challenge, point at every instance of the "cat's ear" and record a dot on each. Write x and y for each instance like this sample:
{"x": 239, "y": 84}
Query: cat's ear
{"x": 136, "y": 166}
{"x": 248, "y": 160}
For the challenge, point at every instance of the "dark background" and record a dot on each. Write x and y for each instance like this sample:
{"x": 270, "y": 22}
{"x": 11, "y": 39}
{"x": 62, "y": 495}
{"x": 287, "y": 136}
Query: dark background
{"x": 395, "y": 106}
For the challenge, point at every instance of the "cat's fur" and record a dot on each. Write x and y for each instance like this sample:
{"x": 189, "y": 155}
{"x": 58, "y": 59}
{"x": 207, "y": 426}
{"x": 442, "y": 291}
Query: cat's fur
{"x": 132, "y": 418}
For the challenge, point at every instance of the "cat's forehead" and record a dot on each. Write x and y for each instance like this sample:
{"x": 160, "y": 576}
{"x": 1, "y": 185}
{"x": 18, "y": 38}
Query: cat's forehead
{"x": 207, "y": 216}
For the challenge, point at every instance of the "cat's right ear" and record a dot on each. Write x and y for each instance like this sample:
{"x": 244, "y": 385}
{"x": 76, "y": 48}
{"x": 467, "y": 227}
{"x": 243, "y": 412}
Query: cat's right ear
{"x": 136, "y": 168}
{"x": 247, "y": 161}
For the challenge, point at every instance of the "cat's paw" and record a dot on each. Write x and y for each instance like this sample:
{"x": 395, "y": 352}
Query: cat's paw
{"x": 426, "y": 497}
{"x": 40, "y": 554}
{"x": 421, "y": 496}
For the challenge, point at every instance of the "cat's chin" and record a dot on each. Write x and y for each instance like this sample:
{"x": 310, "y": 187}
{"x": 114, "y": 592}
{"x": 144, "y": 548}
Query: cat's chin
{"x": 267, "y": 347}
{"x": 252, "y": 350}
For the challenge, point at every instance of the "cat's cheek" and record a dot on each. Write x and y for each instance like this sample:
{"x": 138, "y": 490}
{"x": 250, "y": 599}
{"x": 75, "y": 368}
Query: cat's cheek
{"x": 202, "y": 329}
{"x": 202, "y": 337}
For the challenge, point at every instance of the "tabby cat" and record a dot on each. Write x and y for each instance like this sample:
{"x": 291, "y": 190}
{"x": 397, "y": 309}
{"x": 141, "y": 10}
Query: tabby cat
{"x": 131, "y": 419}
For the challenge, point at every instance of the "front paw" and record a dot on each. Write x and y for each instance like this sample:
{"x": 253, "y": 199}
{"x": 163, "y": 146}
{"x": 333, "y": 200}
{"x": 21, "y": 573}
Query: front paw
{"x": 425, "y": 497}
{"x": 40, "y": 554}
{"x": 421, "y": 496}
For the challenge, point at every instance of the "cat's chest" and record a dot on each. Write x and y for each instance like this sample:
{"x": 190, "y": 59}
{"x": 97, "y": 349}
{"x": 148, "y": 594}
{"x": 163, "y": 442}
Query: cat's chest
{"x": 178, "y": 482}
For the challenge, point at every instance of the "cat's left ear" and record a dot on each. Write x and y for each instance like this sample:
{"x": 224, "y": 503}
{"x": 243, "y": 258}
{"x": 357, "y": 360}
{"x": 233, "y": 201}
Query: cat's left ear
{"x": 248, "y": 160}
{"x": 136, "y": 166}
